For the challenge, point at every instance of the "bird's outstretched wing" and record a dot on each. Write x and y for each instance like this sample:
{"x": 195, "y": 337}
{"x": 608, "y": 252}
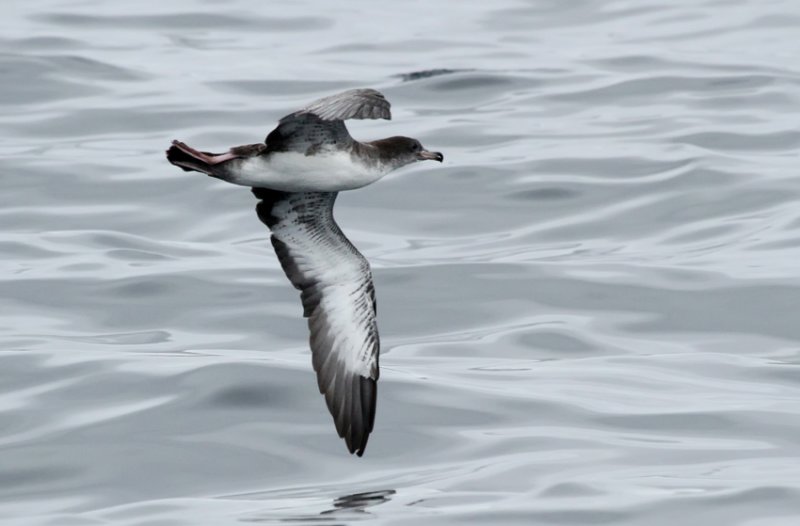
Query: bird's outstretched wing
{"x": 321, "y": 123}
{"x": 338, "y": 299}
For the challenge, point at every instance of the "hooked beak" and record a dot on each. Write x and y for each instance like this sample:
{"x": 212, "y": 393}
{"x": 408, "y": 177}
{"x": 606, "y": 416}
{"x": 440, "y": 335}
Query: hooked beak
{"x": 425, "y": 155}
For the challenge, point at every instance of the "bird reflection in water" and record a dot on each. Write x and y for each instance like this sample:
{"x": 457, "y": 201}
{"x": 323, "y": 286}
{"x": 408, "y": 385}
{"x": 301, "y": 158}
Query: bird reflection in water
{"x": 360, "y": 501}
{"x": 346, "y": 507}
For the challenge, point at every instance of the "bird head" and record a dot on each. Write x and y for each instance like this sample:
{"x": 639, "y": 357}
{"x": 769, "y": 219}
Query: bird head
{"x": 400, "y": 151}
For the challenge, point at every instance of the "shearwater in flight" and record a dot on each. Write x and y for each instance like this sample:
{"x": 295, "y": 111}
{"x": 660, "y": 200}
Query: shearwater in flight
{"x": 297, "y": 173}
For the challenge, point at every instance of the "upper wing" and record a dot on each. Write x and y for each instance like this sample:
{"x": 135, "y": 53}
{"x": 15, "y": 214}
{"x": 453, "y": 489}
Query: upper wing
{"x": 320, "y": 124}
{"x": 338, "y": 299}
{"x": 351, "y": 104}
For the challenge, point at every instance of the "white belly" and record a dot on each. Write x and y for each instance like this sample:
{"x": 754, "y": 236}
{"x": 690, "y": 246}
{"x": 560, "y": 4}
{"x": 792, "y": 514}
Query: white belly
{"x": 296, "y": 172}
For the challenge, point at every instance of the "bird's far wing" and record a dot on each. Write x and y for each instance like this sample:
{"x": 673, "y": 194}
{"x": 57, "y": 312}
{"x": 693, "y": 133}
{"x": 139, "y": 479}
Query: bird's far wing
{"x": 351, "y": 104}
{"x": 321, "y": 124}
{"x": 338, "y": 299}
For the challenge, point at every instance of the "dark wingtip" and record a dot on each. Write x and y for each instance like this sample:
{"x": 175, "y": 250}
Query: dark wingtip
{"x": 362, "y": 419}
{"x": 369, "y": 396}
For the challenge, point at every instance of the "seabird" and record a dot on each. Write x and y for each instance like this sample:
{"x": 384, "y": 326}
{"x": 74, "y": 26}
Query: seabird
{"x": 296, "y": 173}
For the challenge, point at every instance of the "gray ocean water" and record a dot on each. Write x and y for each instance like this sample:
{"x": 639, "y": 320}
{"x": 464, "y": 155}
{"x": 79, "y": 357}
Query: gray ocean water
{"x": 589, "y": 312}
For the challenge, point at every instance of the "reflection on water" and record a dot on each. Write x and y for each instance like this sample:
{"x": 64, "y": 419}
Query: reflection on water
{"x": 300, "y": 507}
{"x": 361, "y": 501}
{"x": 588, "y": 311}
{"x": 351, "y": 507}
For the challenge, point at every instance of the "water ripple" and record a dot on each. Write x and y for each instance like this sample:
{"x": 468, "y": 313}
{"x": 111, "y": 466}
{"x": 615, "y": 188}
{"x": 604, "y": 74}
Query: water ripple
{"x": 588, "y": 312}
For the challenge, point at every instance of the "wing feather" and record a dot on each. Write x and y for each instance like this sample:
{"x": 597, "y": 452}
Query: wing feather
{"x": 351, "y": 104}
{"x": 338, "y": 299}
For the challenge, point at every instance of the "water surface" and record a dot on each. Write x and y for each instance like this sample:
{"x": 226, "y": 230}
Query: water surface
{"x": 589, "y": 311}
